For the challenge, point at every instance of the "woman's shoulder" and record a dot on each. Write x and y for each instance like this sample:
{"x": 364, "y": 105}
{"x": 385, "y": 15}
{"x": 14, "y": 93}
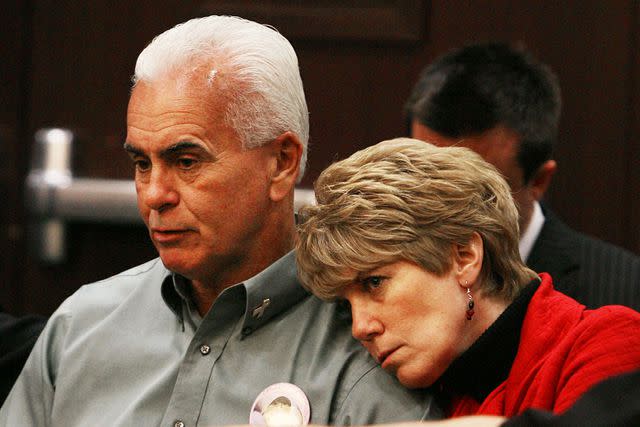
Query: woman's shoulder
{"x": 610, "y": 321}
{"x": 587, "y": 327}
{"x": 561, "y": 331}
{"x": 556, "y": 304}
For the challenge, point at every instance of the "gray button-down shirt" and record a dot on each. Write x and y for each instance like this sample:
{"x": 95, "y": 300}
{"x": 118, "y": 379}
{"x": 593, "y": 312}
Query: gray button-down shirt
{"x": 132, "y": 350}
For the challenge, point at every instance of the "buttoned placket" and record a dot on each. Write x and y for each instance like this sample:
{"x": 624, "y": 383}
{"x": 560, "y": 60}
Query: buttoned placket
{"x": 205, "y": 349}
{"x": 208, "y": 343}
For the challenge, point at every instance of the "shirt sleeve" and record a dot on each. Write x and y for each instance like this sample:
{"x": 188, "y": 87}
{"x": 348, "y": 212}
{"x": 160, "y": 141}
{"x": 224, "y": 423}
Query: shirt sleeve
{"x": 378, "y": 398}
{"x": 31, "y": 399}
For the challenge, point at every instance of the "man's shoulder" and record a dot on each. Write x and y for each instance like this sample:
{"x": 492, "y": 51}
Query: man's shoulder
{"x": 99, "y": 311}
{"x": 132, "y": 277}
{"x": 595, "y": 256}
{"x": 556, "y": 234}
{"x": 589, "y": 269}
{"x": 324, "y": 322}
{"x": 106, "y": 294}
{"x": 359, "y": 384}
{"x": 149, "y": 267}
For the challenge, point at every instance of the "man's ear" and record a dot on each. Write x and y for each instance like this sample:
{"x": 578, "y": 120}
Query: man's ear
{"x": 542, "y": 178}
{"x": 287, "y": 150}
{"x": 468, "y": 260}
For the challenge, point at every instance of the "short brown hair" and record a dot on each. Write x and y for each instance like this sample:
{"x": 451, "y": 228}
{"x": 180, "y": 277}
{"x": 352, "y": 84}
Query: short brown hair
{"x": 405, "y": 199}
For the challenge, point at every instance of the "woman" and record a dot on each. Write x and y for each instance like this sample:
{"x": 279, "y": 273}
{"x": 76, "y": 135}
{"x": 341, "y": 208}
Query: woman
{"x": 422, "y": 242}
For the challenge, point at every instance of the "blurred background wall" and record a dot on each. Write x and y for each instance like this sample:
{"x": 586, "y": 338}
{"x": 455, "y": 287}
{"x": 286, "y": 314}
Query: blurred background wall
{"x": 68, "y": 63}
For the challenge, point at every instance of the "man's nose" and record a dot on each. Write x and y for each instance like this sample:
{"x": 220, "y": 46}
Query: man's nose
{"x": 159, "y": 192}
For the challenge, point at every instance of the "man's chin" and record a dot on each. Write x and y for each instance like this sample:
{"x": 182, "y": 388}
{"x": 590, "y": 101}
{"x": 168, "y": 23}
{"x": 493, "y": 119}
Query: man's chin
{"x": 182, "y": 265}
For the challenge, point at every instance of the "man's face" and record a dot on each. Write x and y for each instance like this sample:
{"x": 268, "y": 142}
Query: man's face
{"x": 202, "y": 196}
{"x": 498, "y": 146}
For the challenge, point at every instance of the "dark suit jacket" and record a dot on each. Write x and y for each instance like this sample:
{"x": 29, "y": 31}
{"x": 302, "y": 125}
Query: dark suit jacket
{"x": 589, "y": 270}
{"x": 17, "y": 337}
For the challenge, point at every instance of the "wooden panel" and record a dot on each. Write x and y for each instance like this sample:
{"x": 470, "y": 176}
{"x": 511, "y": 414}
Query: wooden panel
{"x": 14, "y": 34}
{"x": 374, "y": 20}
{"x": 359, "y": 60}
{"x": 633, "y": 143}
{"x": 588, "y": 190}
{"x": 354, "y": 98}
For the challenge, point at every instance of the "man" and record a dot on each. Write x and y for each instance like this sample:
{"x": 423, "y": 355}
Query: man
{"x": 217, "y": 128}
{"x": 505, "y": 105}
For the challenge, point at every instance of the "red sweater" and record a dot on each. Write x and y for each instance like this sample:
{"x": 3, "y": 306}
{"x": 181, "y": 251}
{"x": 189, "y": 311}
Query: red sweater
{"x": 564, "y": 350}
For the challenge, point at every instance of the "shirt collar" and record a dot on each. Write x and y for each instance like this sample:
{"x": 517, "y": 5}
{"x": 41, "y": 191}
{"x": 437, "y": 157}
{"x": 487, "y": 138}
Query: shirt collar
{"x": 531, "y": 232}
{"x": 170, "y": 293}
{"x": 271, "y": 292}
{"x": 267, "y": 294}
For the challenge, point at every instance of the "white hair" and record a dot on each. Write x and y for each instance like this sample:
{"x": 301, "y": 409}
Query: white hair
{"x": 254, "y": 65}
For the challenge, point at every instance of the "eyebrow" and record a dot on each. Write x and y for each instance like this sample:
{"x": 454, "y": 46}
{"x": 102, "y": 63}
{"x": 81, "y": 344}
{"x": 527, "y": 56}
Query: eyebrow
{"x": 129, "y": 148}
{"x": 181, "y": 146}
{"x": 171, "y": 150}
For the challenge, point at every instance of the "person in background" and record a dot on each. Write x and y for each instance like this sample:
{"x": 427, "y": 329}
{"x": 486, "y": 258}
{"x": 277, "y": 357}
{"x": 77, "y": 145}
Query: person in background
{"x": 217, "y": 130}
{"x": 421, "y": 242}
{"x": 502, "y": 103}
{"x": 17, "y": 337}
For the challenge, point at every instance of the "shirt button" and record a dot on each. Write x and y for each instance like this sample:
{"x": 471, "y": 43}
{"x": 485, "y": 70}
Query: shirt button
{"x": 204, "y": 349}
{"x": 247, "y": 330}
{"x": 178, "y": 423}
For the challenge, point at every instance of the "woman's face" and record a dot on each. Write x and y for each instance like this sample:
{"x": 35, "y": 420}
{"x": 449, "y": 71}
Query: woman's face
{"x": 411, "y": 321}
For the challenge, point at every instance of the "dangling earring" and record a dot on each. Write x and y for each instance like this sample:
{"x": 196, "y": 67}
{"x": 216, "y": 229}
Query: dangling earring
{"x": 470, "y": 304}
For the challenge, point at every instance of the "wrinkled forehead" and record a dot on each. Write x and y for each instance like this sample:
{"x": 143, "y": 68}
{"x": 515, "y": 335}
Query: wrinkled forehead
{"x": 186, "y": 93}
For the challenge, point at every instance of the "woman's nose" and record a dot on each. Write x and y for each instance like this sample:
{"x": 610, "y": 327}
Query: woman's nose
{"x": 365, "y": 325}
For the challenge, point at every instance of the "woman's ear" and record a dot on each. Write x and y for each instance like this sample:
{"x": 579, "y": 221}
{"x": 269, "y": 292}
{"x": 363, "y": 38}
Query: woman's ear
{"x": 287, "y": 154}
{"x": 468, "y": 260}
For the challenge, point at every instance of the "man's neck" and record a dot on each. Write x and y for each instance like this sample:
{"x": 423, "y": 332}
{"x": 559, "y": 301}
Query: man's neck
{"x": 277, "y": 241}
{"x": 530, "y": 233}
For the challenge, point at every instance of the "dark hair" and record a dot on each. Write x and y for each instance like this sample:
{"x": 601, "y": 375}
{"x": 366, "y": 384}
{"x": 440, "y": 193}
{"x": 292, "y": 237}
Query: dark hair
{"x": 475, "y": 88}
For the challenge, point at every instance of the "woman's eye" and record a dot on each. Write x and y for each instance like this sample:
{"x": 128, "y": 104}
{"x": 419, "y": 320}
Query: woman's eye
{"x": 372, "y": 282}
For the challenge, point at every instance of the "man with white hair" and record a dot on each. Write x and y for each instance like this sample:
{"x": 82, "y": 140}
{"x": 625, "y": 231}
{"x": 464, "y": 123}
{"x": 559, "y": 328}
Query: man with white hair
{"x": 217, "y": 128}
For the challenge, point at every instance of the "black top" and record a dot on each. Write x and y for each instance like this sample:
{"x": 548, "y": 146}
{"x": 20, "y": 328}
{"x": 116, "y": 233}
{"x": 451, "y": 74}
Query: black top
{"x": 487, "y": 363}
{"x": 17, "y": 337}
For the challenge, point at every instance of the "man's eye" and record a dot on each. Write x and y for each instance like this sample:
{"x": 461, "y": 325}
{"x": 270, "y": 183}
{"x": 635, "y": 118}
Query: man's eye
{"x": 142, "y": 165}
{"x": 187, "y": 162}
